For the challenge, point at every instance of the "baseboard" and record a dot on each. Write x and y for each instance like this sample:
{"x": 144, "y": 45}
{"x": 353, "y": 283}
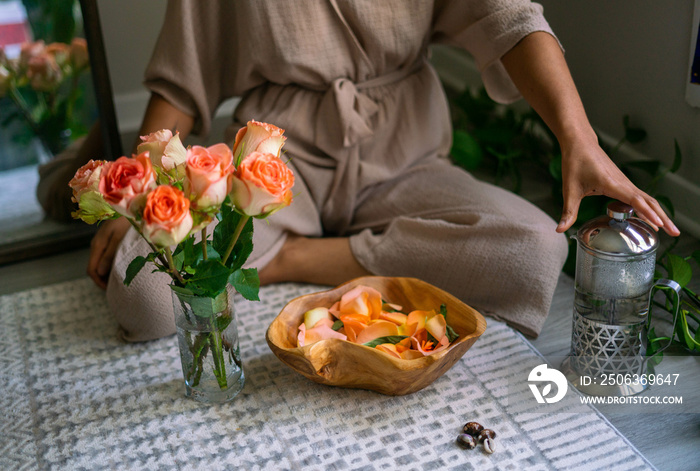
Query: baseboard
{"x": 458, "y": 72}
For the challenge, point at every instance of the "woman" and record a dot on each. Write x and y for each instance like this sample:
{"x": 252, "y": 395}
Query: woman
{"x": 368, "y": 134}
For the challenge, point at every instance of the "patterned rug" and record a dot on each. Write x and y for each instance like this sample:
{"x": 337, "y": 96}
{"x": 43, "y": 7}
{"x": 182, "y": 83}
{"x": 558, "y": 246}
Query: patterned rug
{"x": 74, "y": 397}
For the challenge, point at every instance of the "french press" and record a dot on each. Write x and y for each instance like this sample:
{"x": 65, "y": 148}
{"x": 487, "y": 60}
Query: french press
{"x": 614, "y": 285}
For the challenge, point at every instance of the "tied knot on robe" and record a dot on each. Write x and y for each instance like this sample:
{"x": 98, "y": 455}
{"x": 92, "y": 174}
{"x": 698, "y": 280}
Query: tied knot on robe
{"x": 344, "y": 116}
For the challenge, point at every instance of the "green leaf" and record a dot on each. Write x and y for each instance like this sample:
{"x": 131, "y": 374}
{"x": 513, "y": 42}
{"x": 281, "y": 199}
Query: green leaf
{"x": 394, "y": 339}
{"x": 677, "y": 158}
{"x": 337, "y": 325}
{"x": 134, "y": 268}
{"x": 210, "y": 278}
{"x": 679, "y": 270}
{"x": 451, "y": 334}
{"x": 555, "y": 168}
{"x": 633, "y": 135}
{"x": 683, "y": 325}
{"x": 466, "y": 151}
{"x": 246, "y": 282}
{"x": 666, "y": 202}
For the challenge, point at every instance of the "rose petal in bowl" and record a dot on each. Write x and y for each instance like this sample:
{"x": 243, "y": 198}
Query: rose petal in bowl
{"x": 340, "y": 363}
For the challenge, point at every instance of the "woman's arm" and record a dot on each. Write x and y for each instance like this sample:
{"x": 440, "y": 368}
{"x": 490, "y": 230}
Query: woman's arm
{"x": 160, "y": 114}
{"x": 538, "y": 69}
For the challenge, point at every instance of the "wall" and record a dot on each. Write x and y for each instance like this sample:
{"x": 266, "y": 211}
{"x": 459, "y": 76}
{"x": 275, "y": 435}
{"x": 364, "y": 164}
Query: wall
{"x": 631, "y": 57}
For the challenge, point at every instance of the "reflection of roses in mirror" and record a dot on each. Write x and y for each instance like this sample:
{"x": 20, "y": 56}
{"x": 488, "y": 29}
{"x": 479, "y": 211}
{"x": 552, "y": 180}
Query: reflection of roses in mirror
{"x": 43, "y": 83}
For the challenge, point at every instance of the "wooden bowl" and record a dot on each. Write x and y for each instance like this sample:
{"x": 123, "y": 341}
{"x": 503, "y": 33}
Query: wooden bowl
{"x": 340, "y": 363}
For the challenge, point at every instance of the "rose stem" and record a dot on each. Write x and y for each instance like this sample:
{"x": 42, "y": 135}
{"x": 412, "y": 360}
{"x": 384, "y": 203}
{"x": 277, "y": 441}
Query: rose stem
{"x": 204, "y": 242}
{"x": 234, "y": 239}
{"x": 171, "y": 264}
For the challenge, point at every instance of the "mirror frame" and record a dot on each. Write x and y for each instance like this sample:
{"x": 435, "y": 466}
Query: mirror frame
{"x": 80, "y": 235}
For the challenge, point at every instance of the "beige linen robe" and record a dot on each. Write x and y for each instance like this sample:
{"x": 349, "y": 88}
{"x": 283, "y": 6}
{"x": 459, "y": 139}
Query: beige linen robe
{"x": 368, "y": 132}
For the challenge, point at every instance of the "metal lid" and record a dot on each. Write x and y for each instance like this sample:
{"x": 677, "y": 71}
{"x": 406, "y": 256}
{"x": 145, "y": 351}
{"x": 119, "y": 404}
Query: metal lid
{"x": 618, "y": 233}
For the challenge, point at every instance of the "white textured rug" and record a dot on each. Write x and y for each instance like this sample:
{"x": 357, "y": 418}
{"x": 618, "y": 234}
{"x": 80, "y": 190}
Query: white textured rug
{"x": 73, "y": 397}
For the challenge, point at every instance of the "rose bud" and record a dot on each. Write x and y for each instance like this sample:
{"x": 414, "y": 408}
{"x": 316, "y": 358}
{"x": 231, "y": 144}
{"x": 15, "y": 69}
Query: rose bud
{"x": 166, "y": 151}
{"x": 258, "y": 137}
{"x": 262, "y": 184}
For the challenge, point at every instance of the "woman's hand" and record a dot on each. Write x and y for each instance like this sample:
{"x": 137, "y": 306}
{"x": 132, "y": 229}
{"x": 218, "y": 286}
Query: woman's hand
{"x": 587, "y": 170}
{"x": 103, "y": 248}
{"x": 537, "y": 66}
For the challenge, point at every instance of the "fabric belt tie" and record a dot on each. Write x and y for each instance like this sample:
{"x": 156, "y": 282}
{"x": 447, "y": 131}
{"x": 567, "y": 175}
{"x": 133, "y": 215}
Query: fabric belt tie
{"x": 345, "y": 119}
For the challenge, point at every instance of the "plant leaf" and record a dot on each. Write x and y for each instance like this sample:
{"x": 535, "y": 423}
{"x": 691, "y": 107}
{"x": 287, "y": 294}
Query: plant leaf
{"x": 209, "y": 279}
{"x": 466, "y": 151}
{"x": 337, "y": 325}
{"x": 388, "y": 339}
{"x": 677, "y": 158}
{"x": 134, "y": 268}
{"x": 246, "y": 282}
{"x": 679, "y": 270}
{"x": 633, "y": 135}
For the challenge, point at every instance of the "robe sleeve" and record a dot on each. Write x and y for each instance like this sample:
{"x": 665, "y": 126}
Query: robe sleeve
{"x": 189, "y": 62}
{"x": 488, "y": 29}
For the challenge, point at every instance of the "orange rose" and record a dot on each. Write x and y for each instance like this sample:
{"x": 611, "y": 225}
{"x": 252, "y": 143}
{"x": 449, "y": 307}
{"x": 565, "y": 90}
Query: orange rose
{"x": 166, "y": 216}
{"x": 262, "y": 184}
{"x": 258, "y": 137}
{"x": 208, "y": 175}
{"x": 125, "y": 182}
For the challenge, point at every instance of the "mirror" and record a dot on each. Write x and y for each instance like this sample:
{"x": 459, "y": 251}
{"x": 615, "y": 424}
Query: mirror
{"x": 53, "y": 95}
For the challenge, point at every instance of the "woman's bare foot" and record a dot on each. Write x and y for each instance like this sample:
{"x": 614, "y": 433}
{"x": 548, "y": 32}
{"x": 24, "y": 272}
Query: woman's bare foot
{"x": 323, "y": 261}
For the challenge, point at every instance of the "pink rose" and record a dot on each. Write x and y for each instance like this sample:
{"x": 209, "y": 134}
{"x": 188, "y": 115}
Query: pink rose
{"x": 166, "y": 151}
{"x": 79, "y": 57}
{"x": 85, "y": 185}
{"x": 87, "y": 178}
{"x": 208, "y": 175}
{"x": 166, "y": 216}
{"x": 125, "y": 182}
{"x": 258, "y": 137}
{"x": 60, "y": 52}
{"x": 44, "y": 73}
{"x": 29, "y": 50}
{"x": 262, "y": 184}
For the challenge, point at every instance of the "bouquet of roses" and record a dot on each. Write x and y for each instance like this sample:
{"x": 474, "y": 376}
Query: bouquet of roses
{"x": 170, "y": 194}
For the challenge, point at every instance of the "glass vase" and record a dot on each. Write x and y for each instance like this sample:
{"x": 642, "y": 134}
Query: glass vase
{"x": 207, "y": 335}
